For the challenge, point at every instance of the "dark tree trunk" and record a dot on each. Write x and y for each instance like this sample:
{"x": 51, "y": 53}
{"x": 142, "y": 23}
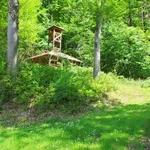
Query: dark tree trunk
{"x": 96, "y": 71}
{"x": 51, "y": 12}
{"x": 143, "y": 20}
{"x": 130, "y": 13}
{"x": 12, "y": 35}
{"x": 149, "y": 20}
{"x": 145, "y": 17}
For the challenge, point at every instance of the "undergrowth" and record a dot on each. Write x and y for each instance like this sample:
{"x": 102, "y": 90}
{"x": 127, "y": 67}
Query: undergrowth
{"x": 46, "y": 87}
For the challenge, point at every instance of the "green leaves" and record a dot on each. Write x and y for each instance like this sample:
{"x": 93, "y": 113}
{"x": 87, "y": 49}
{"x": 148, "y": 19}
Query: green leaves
{"x": 44, "y": 86}
{"x": 3, "y": 33}
{"x": 29, "y": 28}
{"x": 122, "y": 46}
{"x": 125, "y": 50}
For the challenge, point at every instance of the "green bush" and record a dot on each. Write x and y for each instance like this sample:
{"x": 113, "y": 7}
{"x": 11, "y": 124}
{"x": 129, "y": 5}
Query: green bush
{"x": 6, "y": 91}
{"x": 126, "y": 51}
{"x": 2, "y": 64}
{"x": 46, "y": 87}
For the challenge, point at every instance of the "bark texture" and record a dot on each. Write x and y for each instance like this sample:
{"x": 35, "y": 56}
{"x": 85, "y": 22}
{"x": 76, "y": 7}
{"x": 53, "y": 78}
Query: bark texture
{"x": 12, "y": 35}
{"x": 96, "y": 71}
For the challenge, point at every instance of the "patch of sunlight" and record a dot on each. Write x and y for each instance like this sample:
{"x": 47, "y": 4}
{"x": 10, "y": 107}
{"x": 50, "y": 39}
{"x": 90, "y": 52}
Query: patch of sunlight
{"x": 44, "y": 125}
{"x": 107, "y": 117}
{"x": 130, "y": 94}
{"x": 88, "y": 146}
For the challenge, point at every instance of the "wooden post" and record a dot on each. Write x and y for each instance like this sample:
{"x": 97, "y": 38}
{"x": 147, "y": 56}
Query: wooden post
{"x": 53, "y": 39}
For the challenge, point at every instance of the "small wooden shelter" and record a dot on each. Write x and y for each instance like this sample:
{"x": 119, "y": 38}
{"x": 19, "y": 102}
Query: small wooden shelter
{"x": 55, "y": 55}
{"x": 52, "y": 57}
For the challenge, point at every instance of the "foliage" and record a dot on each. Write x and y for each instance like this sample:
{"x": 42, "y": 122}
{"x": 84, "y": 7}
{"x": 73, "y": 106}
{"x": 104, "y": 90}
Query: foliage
{"x": 2, "y": 64}
{"x": 29, "y": 28}
{"x": 3, "y": 23}
{"x": 47, "y": 87}
{"x": 5, "y": 89}
{"x": 3, "y": 32}
{"x": 78, "y": 20}
{"x": 77, "y": 36}
{"x": 125, "y": 50}
{"x": 136, "y": 14}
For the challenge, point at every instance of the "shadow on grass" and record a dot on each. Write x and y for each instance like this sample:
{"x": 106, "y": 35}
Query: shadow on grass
{"x": 118, "y": 128}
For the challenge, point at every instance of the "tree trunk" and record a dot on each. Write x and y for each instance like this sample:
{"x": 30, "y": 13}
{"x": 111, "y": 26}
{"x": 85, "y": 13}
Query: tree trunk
{"x": 12, "y": 35}
{"x": 51, "y": 12}
{"x": 149, "y": 20}
{"x": 130, "y": 13}
{"x": 143, "y": 20}
{"x": 145, "y": 15}
{"x": 96, "y": 71}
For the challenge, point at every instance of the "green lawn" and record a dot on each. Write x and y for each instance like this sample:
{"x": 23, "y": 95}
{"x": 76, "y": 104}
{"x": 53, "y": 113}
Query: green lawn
{"x": 124, "y": 127}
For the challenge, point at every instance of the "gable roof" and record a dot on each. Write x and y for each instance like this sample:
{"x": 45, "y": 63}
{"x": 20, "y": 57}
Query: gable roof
{"x": 55, "y": 27}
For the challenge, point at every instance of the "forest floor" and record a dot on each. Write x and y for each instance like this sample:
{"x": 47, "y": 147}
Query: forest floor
{"x": 125, "y": 126}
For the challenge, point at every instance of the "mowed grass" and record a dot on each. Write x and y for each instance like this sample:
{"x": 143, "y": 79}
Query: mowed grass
{"x": 121, "y": 128}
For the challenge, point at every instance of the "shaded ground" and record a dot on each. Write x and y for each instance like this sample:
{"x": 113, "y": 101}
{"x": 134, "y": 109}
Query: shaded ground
{"x": 125, "y": 127}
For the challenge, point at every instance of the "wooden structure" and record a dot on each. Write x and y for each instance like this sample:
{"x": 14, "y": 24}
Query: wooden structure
{"x": 55, "y": 37}
{"x": 54, "y": 56}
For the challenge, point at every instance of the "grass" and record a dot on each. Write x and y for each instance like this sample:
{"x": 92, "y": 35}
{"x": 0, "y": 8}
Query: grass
{"x": 124, "y": 127}
{"x": 131, "y": 92}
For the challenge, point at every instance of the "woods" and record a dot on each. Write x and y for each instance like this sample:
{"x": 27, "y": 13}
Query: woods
{"x": 94, "y": 76}
{"x": 80, "y": 25}
{"x": 108, "y": 36}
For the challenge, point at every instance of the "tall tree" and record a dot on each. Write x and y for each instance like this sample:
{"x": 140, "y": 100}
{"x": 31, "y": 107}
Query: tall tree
{"x": 12, "y": 34}
{"x": 96, "y": 69}
{"x": 103, "y": 9}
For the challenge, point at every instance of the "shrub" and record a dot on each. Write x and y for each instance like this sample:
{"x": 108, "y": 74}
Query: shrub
{"x": 46, "y": 87}
{"x": 2, "y": 64}
{"x": 126, "y": 51}
{"x": 6, "y": 92}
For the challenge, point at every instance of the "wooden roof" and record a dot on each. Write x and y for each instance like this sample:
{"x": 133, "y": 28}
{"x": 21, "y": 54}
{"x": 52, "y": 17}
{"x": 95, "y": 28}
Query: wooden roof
{"x": 57, "y": 54}
{"x": 55, "y": 27}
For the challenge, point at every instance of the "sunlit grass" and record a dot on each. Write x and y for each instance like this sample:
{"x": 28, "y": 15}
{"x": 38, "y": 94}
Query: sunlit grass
{"x": 131, "y": 93}
{"x": 109, "y": 129}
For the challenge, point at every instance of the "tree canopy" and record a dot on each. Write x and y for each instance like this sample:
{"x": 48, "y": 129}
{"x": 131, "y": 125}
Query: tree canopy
{"x": 125, "y": 35}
